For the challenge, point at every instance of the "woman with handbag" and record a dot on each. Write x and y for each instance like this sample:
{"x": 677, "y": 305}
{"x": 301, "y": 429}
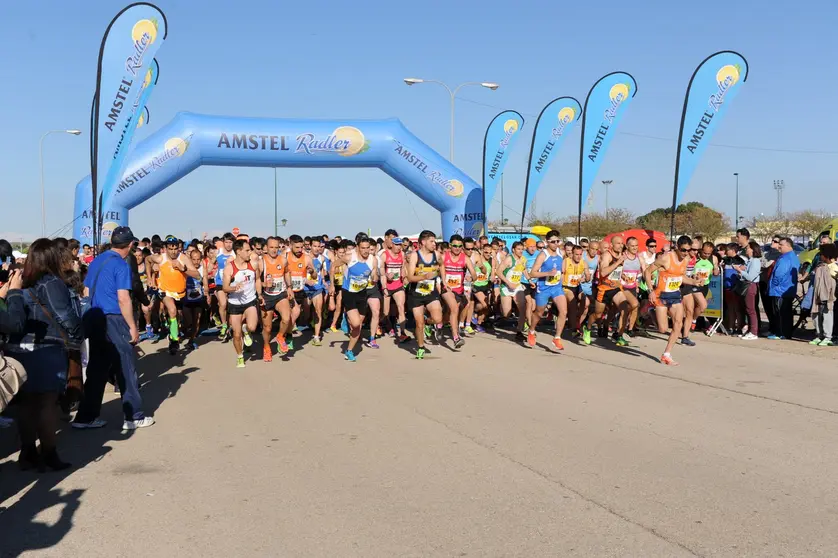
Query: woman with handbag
{"x": 53, "y": 327}
{"x": 12, "y": 321}
{"x": 749, "y": 286}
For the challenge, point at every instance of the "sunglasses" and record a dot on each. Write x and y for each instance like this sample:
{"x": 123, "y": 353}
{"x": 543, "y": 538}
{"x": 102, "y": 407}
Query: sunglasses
{"x": 468, "y": 249}
{"x": 775, "y": 241}
{"x": 456, "y": 245}
{"x": 554, "y": 241}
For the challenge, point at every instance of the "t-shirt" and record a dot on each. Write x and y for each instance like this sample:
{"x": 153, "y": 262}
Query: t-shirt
{"x": 114, "y": 275}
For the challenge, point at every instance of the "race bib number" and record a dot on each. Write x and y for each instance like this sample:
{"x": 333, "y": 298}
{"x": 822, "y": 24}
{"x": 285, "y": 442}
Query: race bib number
{"x": 574, "y": 280}
{"x": 629, "y": 278}
{"x": 672, "y": 284}
{"x": 357, "y": 284}
{"x": 297, "y": 283}
{"x": 553, "y": 279}
{"x": 397, "y": 273}
{"x": 338, "y": 278}
{"x": 454, "y": 281}
{"x": 616, "y": 274}
{"x": 425, "y": 287}
{"x": 481, "y": 276}
{"x": 194, "y": 294}
{"x": 515, "y": 277}
{"x": 702, "y": 277}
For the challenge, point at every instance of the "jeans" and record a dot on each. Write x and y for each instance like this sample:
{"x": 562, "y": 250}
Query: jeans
{"x": 824, "y": 321}
{"x": 782, "y": 316}
{"x": 110, "y": 352}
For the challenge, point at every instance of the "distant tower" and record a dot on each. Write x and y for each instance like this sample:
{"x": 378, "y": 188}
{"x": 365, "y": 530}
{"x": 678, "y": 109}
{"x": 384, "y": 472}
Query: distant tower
{"x": 779, "y": 186}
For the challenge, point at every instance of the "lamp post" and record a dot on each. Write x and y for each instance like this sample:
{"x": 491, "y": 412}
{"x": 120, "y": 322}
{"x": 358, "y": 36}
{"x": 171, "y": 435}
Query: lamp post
{"x": 736, "y": 215}
{"x": 276, "y": 225}
{"x": 453, "y": 94}
{"x": 606, "y": 183}
{"x": 41, "y": 162}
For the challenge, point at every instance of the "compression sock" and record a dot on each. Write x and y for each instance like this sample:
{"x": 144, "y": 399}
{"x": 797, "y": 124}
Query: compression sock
{"x": 173, "y": 332}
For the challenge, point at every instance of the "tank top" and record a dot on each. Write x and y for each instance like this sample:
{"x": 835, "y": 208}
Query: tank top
{"x": 244, "y": 276}
{"x": 143, "y": 275}
{"x": 483, "y": 272}
{"x": 297, "y": 268}
{"x": 592, "y": 264}
{"x": 318, "y": 263}
{"x": 358, "y": 273}
{"x": 551, "y": 263}
{"x": 339, "y": 272}
{"x": 273, "y": 281}
{"x": 213, "y": 271}
{"x": 171, "y": 280}
{"x": 515, "y": 273}
{"x": 669, "y": 280}
{"x": 573, "y": 274}
{"x": 220, "y": 262}
{"x": 455, "y": 271}
{"x": 530, "y": 261}
{"x": 195, "y": 287}
{"x": 631, "y": 272}
{"x": 393, "y": 264}
{"x": 703, "y": 269}
{"x": 612, "y": 281}
{"x": 426, "y": 286}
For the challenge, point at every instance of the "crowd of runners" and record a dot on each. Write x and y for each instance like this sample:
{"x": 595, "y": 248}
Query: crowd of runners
{"x": 417, "y": 292}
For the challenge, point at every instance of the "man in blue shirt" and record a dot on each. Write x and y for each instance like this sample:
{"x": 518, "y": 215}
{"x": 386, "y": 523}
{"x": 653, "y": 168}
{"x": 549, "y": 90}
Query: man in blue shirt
{"x": 112, "y": 333}
{"x": 782, "y": 289}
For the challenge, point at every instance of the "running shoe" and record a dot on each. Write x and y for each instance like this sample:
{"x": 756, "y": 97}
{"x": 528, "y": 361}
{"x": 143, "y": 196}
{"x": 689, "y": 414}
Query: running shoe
{"x": 692, "y": 326}
{"x": 223, "y": 333}
{"x": 826, "y": 343}
{"x": 623, "y": 342}
{"x": 217, "y": 321}
{"x": 378, "y": 332}
{"x": 438, "y": 334}
{"x": 558, "y": 343}
{"x": 332, "y": 330}
{"x": 316, "y": 341}
{"x": 575, "y": 334}
{"x": 420, "y": 353}
{"x": 775, "y": 337}
{"x": 267, "y": 355}
{"x": 815, "y": 341}
{"x": 403, "y": 338}
{"x": 144, "y": 422}
{"x": 469, "y": 330}
{"x": 749, "y": 337}
{"x": 687, "y": 341}
{"x": 428, "y": 332}
{"x": 531, "y": 339}
{"x": 392, "y": 333}
{"x": 281, "y": 345}
{"x": 479, "y": 328}
{"x": 586, "y": 335}
{"x": 667, "y": 360}
{"x": 248, "y": 340}
{"x": 240, "y": 362}
{"x": 372, "y": 344}
{"x": 301, "y": 328}
{"x": 458, "y": 342}
{"x": 350, "y": 356}
{"x": 526, "y": 327}
{"x": 291, "y": 345}
{"x": 95, "y": 423}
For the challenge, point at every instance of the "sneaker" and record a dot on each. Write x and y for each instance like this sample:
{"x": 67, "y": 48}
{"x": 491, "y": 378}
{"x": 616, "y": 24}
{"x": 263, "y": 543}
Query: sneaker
{"x": 95, "y": 423}
{"x": 826, "y": 343}
{"x": 438, "y": 334}
{"x": 290, "y": 344}
{"x": 526, "y": 327}
{"x": 193, "y": 346}
{"x": 558, "y": 343}
{"x": 223, "y": 332}
{"x": 428, "y": 332}
{"x": 267, "y": 355}
{"x": 531, "y": 339}
{"x": 479, "y": 328}
{"x": 248, "y": 340}
{"x": 301, "y": 328}
{"x": 749, "y": 337}
{"x": 775, "y": 337}
{"x": 458, "y": 342}
{"x": 403, "y": 338}
{"x": 316, "y": 341}
{"x": 687, "y": 341}
{"x": 815, "y": 341}
{"x": 575, "y": 334}
{"x": 281, "y": 345}
{"x": 469, "y": 330}
{"x": 144, "y": 422}
{"x": 332, "y": 330}
{"x": 217, "y": 321}
{"x": 392, "y": 333}
{"x": 668, "y": 360}
{"x": 622, "y": 342}
{"x": 586, "y": 335}
{"x": 240, "y": 362}
{"x": 372, "y": 344}
{"x": 420, "y": 353}
{"x": 377, "y": 332}
{"x": 350, "y": 356}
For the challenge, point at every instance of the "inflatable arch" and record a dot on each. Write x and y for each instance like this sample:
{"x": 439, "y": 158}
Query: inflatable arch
{"x": 191, "y": 140}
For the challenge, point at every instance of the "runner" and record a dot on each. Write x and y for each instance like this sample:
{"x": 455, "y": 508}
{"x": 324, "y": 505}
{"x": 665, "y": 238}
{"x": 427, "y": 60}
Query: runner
{"x": 573, "y": 274}
{"x": 590, "y": 257}
{"x": 609, "y": 292}
{"x": 392, "y": 271}
{"x": 243, "y": 287}
{"x": 513, "y": 278}
{"x": 225, "y": 252}
{"x": 196, "y": 298}
{"x": 360, "y": 266}
{"x": 468, "y": 284}
{"x": 633, "y": 268}
{"x": 666, "y": 297}
{"x": 336, "y": 273}
{"x": 142, "y": 254}
{"x": 210, "y": 252}
{"x": 174, "y": 268}
{"x": 300, "y": 268}
{"x": 548, "y": 270}
{"x": 455, "y": 264}
{"x": 484, "y": 276}
{"x": 274, "y": 299}
{"x": 422, "y": 273}
{"x": 315, "y": 287}
{"x": 531, "y": 252}
{"x": 701, "y": 264}
{"x": 375, "y": 299}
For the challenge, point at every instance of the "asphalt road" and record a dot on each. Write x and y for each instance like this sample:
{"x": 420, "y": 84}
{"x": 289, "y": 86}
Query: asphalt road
{"x": 492, "y": 451}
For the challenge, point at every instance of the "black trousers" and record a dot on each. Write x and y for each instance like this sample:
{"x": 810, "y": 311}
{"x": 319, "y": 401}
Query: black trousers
{"x": 782, "y": 317}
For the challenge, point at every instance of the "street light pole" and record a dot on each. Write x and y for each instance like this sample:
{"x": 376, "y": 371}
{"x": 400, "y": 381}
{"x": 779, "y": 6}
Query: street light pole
{"x": 736, "y": 215}
{"x": 41, "y": 163}
{"x": 453, "y": 94}
{"x": 606, "y": 183}
{"x": 276, "y": 225}
{"x": 501, "y": 201}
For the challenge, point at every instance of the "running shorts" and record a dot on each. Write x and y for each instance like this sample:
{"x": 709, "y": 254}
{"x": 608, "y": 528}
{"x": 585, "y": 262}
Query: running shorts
{"x": 605, "y": 295}
{"x": 545, "y": 295}
{"x": 271, "y": 300}
{"x": 375, "y": 292}
{"x": 418, "y": 301}
{"x": 311, "y": 294}
{"x": 239, "y": 309}
{"x": 572, "y": 292}
{"x": 668, "y": 299}
{"x": 355, "y": 301}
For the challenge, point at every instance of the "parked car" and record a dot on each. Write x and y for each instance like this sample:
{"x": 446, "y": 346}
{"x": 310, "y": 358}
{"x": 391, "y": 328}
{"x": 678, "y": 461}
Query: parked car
{"x": 807, "y": 256}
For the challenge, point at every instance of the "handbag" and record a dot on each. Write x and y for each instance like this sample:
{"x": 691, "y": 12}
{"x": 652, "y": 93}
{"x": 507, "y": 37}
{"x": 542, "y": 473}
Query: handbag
{"x": 741, "y": 288}
{"x": 12, "y": 377}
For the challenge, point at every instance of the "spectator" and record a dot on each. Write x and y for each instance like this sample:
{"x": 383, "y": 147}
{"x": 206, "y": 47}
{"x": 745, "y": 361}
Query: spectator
{"x": 823, "y": 285}
{"x": 112, "y": 332}
{"x": 733, "y": 303}
{"x": 782, "y": 289}
{"x": 743, "y": 237}
{"x": 12, "y": 318}
{"x": 749, "y": 276}
{"x": 53, "y": 327}
{"x": 87, "y": 254}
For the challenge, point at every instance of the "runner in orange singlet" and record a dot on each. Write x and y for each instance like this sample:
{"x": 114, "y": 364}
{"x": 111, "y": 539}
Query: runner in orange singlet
{"x": 274, "y": 298}
{"x": 299, "y": 269}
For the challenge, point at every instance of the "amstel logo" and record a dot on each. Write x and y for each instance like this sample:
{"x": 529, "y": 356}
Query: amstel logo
{"x": 619, "y": 92}
{"x": 146, "y": 27}
{"x": 176, "y": 147}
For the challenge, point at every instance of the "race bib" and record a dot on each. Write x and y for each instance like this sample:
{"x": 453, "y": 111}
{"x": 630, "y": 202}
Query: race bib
{"x": 454, "y": 281}
{"x": 425, "y": 287}
{"x": 194, "y": 294}
{"x": 616, "y": 274}
{"x": 338, "y": 278}
{"x": 481, "y": 276}
{"x": 629, "y": 278}
{"x": 553, "y": 279}
{"x": 672, "y": 284}
{"x": 397, "y": 273}
{"x": 357, "y": 284}
{"x": 297, "y": 283}
{"x": 573, "y": 280}
{"x": 515, "y": 277}
{"x": 702, "y": 277}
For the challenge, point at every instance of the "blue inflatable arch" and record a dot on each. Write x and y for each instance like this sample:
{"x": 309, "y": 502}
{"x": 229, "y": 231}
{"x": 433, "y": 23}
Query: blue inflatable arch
{"x": 191, "y": 140}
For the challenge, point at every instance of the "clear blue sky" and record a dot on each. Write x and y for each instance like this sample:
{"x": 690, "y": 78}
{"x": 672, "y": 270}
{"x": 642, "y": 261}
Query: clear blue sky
{"x": 347, "y": 59}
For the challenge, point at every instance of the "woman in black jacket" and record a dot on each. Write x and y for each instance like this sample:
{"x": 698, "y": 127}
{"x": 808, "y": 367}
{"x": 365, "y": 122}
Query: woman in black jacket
{"x": 53, "y": 326}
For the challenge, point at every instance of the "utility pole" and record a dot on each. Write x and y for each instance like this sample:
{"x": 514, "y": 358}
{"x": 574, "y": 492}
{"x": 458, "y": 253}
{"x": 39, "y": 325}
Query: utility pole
{"x": 779, "y": 186}
{"x": 606, "y": 183}
{"x": 736, "y": 215}
{"x": 276, "y": 230}
{"x": 486, "y": 217}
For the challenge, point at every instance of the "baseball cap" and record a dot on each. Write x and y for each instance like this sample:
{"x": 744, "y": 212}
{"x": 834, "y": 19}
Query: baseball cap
{"x": 529, "y": 242}
{"x": 397, "y": 240}
{"x": 122, "y": 235}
